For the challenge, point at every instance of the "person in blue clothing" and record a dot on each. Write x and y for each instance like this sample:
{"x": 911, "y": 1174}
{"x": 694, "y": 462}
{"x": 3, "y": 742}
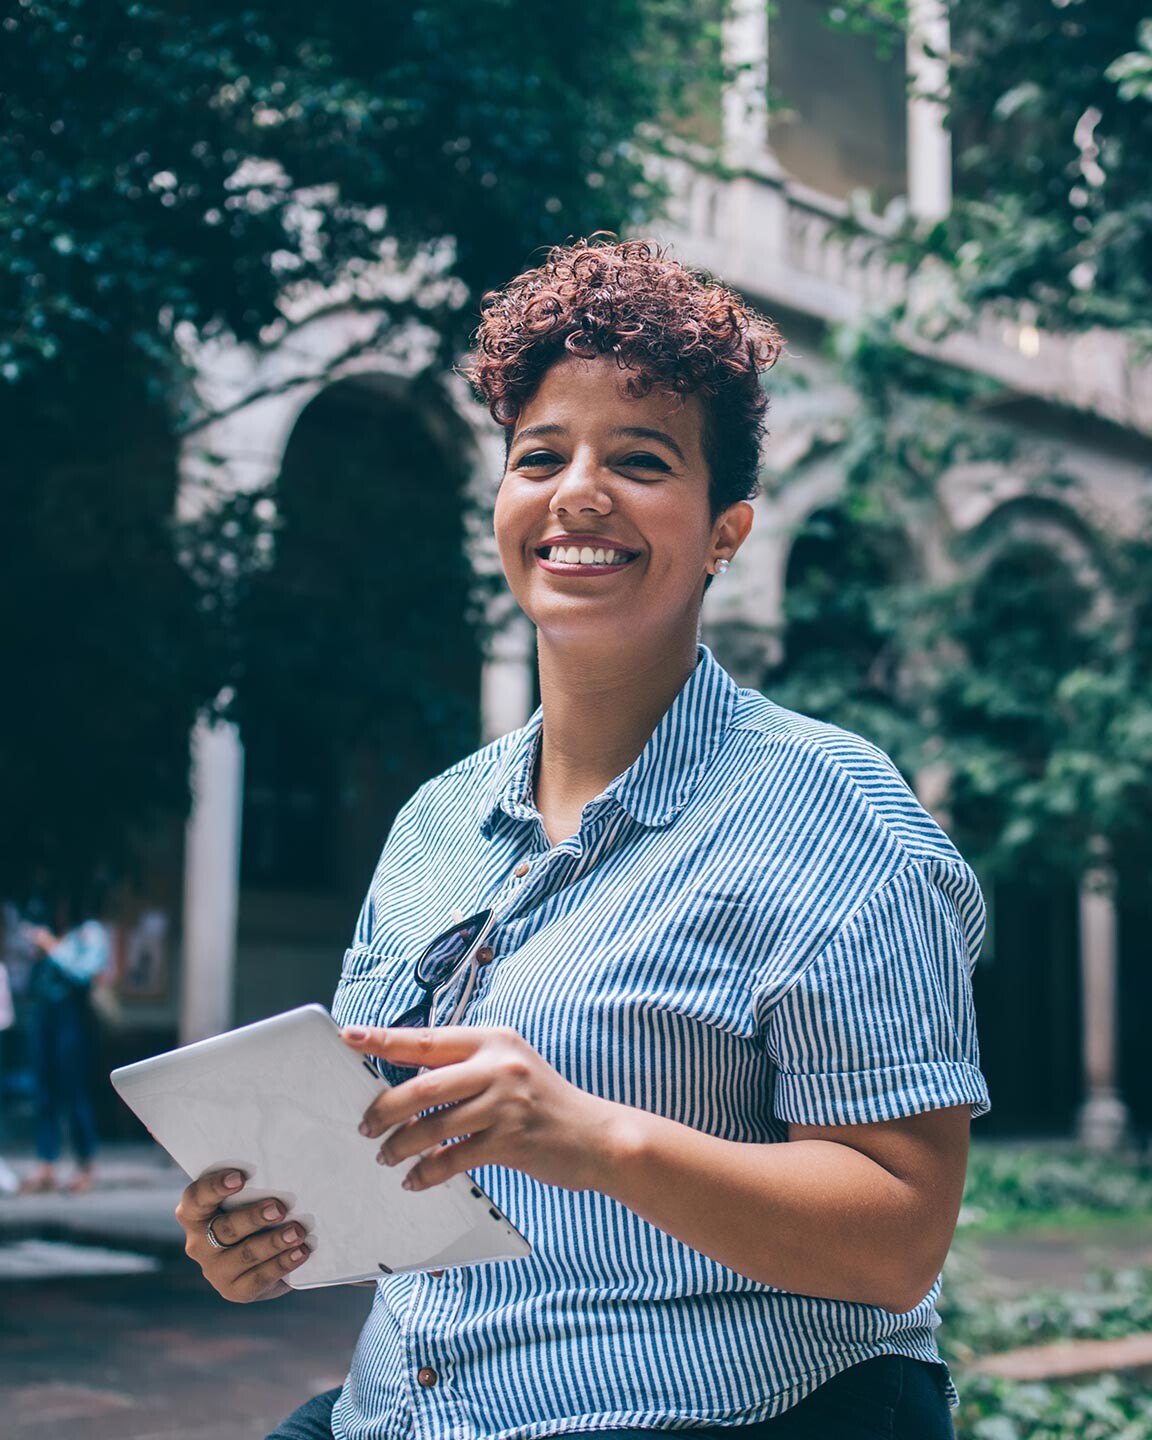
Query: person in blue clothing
{"x": 705, "y": 1034}
{"x": 59, "y": 1041}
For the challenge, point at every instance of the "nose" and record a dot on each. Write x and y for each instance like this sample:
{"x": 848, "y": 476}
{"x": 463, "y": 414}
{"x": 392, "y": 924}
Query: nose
{"x": 580, "y": 487}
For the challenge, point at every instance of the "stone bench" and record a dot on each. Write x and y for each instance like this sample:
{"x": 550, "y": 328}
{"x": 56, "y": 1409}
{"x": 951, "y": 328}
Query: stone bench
{"x": 1068, "y": 1358}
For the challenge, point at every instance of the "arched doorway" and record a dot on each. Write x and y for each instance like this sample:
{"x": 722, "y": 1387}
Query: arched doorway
{"x": 1019, "y": 625}
{"x": 841, "y": 654}
{"x": 1026, "y": 624}
{"x": 359, "y": 673}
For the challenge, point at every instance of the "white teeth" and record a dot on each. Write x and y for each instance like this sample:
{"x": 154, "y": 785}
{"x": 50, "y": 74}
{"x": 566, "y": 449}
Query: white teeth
{"x": 585, "y": 555}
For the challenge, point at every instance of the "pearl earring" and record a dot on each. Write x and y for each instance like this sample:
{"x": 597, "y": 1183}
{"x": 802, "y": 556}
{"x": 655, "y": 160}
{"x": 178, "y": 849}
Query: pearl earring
{"x": 722, "y": 567}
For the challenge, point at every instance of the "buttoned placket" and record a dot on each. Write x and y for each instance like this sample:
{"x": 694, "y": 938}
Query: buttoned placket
{"x": 529, "y": 879}
{"x": 436, "y": 1415}
{"x": 536, "y": 874}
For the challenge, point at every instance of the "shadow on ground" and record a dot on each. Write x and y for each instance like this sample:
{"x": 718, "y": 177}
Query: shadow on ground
{"x": 159, "y": 1356}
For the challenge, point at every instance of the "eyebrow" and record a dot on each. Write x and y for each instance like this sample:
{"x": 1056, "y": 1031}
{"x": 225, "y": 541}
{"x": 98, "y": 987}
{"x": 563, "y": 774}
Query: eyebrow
{"x": 633, "y": 432}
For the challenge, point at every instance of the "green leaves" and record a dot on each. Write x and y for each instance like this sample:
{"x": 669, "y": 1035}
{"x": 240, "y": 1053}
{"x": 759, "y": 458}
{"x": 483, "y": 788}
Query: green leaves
{"x": 167, "y": 165}
{"x": 1008, "y": 1186}
{"x": 1051, "y": 161}
{"x": 1132, "y": 73}
{"x": 130, "y": 128}
{"x": 1027, "y": 679}
{"x": 1014, "y": 1189}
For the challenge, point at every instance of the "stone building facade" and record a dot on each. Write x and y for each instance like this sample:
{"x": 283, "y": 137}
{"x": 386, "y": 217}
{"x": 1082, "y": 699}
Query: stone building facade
{"x": 771, "y": 224}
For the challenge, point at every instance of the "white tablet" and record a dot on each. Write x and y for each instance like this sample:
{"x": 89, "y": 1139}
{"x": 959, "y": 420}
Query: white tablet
{"x": 281, "y": 1101}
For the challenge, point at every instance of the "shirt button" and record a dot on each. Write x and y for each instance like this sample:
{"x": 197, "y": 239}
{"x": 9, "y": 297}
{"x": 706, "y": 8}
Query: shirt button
{"x": 483, "y": 955}
{"x": 427, "y": 1376}
{"x": 521, "y": 870}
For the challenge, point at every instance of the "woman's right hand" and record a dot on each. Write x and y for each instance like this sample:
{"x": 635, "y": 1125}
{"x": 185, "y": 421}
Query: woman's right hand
{"x": 261, "y": 1244}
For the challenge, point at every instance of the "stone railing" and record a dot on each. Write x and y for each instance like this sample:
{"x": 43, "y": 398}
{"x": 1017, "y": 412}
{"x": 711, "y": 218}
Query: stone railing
{"x": 788, "y": 246}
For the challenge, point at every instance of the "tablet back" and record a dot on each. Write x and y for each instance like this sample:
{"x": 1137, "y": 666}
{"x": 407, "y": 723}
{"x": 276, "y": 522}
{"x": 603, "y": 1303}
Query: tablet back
{"x": 281, "y": 1101}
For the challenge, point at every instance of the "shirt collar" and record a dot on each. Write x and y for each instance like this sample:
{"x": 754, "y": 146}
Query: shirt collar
{"x": 659, "y": 783}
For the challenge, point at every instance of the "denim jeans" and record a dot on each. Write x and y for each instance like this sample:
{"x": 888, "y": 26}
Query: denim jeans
{"x": 61, "y": 1053}
{"x": 888, "y": 1398}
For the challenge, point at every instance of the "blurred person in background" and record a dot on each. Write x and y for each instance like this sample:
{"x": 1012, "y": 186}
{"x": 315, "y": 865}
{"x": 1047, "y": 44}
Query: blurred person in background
{"x": 60, "y": 1044}
{"x": 9, "y": 1180}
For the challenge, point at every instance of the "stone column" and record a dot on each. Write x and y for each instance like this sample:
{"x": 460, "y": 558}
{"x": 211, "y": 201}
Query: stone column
{"x": 746, "y": 97}
{"x": 1103, "y": 1119}
{"x": 929, "y": 143}
{"x": 211, "y": 881}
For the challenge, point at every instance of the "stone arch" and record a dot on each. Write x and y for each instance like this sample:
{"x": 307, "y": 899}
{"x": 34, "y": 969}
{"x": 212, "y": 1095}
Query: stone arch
{"x": 1037, "y": 515}
{"x": 743, "y": 617}
{"x": 246, "y": 400}
{"x": 824, "y": 549}
{"x": 840, "y": 660}
{"x": 1040, "y": 525}
{"x": 360, "y": 666}
{"x": 257, "y": 396}
{"x": 249, "y": 401}
{"x": 1035, "y": 586}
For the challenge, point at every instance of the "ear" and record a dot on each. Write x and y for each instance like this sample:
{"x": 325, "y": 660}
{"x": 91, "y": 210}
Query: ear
{"x": 731, "y": 530}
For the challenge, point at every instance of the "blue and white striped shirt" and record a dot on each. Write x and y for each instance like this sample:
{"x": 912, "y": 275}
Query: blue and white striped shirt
{"x": 755, "y": 924}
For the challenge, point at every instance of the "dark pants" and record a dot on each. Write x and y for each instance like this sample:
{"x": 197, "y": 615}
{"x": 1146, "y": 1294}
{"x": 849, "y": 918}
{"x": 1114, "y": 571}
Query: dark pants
{"x": 61, "y": 1055}
{"x": 888, "y": 1398}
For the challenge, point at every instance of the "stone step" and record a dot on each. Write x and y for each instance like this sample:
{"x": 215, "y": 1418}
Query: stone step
{"x": 1067, "y": 1358}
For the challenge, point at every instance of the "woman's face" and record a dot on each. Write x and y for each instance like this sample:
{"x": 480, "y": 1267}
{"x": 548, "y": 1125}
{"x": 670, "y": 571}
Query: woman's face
{"x": 602, "y": 518}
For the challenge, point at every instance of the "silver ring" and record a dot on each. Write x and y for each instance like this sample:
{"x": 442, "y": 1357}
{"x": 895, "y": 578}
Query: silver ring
{"x": 211, "y": 1234}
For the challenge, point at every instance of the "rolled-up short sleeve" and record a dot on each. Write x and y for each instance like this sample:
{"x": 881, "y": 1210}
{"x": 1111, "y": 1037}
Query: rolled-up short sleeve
{"x": 880, "y": 1024}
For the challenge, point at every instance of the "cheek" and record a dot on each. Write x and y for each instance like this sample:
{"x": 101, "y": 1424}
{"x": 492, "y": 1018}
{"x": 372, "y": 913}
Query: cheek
{"x": 500, "y": 513}
{"x": 508, "y": 521}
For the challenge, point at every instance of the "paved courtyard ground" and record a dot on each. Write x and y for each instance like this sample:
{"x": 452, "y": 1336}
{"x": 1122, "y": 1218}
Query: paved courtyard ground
{"x": 107, "y": 1332}
{"x": 159, "y": 1356}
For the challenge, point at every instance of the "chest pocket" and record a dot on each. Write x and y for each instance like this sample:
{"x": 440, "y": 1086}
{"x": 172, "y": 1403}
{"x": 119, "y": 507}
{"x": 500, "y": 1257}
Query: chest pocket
{"x": 375, "y": 986}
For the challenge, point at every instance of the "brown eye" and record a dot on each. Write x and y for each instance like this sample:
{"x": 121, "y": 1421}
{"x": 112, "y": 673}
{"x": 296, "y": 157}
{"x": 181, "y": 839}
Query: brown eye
{"x": 537, "y": 460}
{"x": 642, "y": 460}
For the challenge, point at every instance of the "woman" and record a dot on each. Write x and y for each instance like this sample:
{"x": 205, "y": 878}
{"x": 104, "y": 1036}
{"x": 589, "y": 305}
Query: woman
{"x": 59, "y": 1038}
{"x": 720, "y": 1061}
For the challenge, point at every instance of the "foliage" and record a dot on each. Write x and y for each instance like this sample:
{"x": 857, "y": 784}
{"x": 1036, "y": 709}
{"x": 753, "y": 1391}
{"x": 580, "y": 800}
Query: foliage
{"x": 103, "y": 658}
{"x": 1010, "y": 1186}
{"x": 1105, "y": 1407}
{"x": 981, "y": 1317}
{"x": 168, "y": 166}
{"x": 1052, "y": 129}
{"x": 1132, "y": 72}
{"x": 337, "y": 645}
{"x": 979, "y": 1321}
{"x": 1050, "y": 111}
{"x": 185, "y": 164}
{"x": 1007, "y": 666}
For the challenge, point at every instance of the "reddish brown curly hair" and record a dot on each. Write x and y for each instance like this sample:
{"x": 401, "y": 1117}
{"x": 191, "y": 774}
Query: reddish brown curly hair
{"x": 669, "y": 327}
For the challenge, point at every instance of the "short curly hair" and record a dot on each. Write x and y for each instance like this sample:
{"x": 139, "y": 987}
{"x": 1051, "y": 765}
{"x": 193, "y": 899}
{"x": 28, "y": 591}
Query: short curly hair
{"x": 669, "y": 327}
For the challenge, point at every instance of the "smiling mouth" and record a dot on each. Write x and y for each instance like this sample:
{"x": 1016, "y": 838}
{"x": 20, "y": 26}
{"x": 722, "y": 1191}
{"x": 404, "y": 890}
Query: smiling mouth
{"x": 584, "y": 559}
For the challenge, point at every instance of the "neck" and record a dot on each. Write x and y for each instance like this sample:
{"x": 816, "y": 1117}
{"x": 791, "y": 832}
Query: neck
{"x": 599, "y": 713}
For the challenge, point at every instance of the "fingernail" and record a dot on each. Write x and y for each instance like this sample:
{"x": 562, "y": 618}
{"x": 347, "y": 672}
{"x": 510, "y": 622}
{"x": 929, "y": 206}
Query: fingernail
{"x": 355, "y": 1032}
{"x": 408, "y": 1183}
{"x": 365, "y": 1128}
{"x": 272, "y": 1211}
{"x": 298, "y": 1254}
{"x": 233, "y": 1180}
{"x": 293, "y": 1233}
{"x": 382, "y": 1158}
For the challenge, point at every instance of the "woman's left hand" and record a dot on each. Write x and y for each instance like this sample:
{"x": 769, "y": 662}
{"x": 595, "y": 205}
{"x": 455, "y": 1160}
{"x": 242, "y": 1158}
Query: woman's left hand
{"x": 491, "y": 1094}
